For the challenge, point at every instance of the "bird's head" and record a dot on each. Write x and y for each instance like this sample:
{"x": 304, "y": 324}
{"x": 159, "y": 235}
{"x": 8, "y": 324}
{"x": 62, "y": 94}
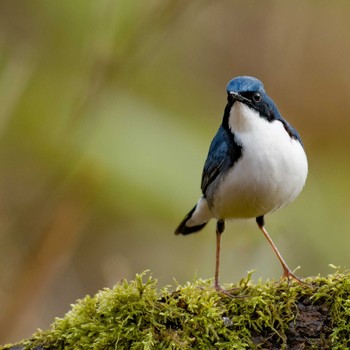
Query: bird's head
{"x": 250, "y": 91}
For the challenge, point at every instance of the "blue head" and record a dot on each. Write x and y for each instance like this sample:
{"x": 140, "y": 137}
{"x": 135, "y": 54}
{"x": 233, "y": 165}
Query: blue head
{"x": 245, "y": 84}
{"x": 251, "y": 92}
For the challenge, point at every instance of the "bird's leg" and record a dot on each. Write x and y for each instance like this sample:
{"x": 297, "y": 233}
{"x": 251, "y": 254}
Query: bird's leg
{"x": 287, "y": 273}
{"x": 220, "y": 227}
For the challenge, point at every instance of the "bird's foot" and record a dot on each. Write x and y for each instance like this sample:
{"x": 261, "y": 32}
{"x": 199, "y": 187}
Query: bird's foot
{"x": 219, "y": 289}
{"x": 291, "y": 276}
{"x": 225, "y": 292}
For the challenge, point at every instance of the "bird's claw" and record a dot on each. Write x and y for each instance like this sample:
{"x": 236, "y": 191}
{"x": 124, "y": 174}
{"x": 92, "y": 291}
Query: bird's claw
{"x": 291, "y": 276}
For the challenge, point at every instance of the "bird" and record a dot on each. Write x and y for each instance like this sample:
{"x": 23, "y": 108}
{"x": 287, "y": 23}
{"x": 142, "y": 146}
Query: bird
{"x": 256, "y": 164}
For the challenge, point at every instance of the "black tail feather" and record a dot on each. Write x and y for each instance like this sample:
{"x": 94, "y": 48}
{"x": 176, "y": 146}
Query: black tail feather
{"x": 185, "y": 230}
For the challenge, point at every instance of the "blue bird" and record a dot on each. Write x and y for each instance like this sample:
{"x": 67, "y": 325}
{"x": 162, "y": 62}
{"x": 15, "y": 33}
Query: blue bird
{"x": 256, "y": 164}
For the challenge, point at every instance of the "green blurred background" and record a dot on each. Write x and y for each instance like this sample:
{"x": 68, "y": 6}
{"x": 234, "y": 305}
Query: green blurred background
{"x": 107, "y": 109}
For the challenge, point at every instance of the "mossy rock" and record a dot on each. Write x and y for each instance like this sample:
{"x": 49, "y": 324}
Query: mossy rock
{"x": 272, "y": 315}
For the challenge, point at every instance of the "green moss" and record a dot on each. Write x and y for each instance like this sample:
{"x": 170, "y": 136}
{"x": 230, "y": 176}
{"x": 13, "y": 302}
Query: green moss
{"x": 134, "y": 315}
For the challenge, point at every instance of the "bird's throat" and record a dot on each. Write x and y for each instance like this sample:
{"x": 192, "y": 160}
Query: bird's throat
{"x": 242, "y": 118}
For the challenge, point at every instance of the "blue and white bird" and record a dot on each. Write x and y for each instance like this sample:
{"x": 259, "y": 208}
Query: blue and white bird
{"x": 256, "y": 164}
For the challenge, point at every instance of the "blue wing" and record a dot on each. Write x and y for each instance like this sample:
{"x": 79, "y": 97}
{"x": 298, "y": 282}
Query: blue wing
{"x": 224, "y": 151}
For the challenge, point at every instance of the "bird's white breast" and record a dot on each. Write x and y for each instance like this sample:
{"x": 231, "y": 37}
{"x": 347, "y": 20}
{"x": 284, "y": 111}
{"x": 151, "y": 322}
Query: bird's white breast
{"x": 270, "y": 173}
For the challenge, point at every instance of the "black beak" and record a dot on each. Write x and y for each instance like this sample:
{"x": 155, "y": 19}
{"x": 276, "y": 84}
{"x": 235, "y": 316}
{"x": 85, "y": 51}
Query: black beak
{"x": 234, "y": 96}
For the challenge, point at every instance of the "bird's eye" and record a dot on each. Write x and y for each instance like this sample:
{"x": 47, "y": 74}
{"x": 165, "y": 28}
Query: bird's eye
{"x": 257, "y": 97}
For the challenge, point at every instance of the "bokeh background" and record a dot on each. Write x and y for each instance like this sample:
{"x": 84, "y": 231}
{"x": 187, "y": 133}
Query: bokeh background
{"x": 107, "y": 108}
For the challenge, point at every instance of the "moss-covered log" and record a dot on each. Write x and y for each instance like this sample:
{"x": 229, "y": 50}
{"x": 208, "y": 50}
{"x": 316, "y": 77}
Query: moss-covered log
{"x": 271, "y": 315}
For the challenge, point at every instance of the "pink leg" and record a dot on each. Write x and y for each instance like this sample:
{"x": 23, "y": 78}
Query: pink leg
{"x": 220, "y": 227}
{"x": 287, "y": 273}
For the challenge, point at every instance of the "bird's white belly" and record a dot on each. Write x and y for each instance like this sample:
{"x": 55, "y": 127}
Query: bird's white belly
{"x": 270, "y": 173}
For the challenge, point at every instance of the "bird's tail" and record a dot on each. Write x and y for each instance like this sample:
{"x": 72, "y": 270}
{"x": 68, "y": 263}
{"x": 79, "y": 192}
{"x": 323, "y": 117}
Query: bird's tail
{"x": 196, "y": 219}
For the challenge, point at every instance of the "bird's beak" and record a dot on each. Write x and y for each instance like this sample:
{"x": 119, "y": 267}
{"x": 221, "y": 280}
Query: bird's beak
{"x": 237, "y": 97}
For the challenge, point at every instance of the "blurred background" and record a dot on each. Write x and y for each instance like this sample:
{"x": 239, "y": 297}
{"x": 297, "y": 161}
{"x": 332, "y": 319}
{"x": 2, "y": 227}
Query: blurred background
{"x": 107, "y": 109}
